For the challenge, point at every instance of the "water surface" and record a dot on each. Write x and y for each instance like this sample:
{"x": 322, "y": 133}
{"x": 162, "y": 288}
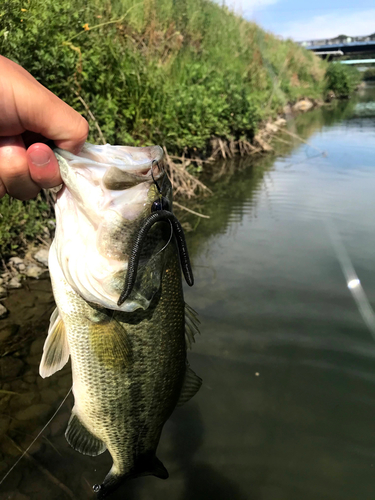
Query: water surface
{"x": 287, "y": 406}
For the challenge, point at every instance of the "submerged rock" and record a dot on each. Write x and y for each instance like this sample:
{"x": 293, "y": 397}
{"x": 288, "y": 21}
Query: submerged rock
{"x": 40, "y": 410}
{"x": 10, "y": 367}
{"x": 3, "y": 311}
{"x": 15, "y": 282}
{"x": 3, "y": 292}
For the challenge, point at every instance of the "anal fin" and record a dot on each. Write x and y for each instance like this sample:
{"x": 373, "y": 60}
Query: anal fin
{"x": 56, "y": 348}
{"x": 81, "y": 439}
{"x": 190, "y": 387}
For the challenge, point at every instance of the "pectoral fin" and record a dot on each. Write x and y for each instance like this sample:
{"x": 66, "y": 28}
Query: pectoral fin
{"x": 111, "y": 343}
{"x": 191, "y": 325}
{"x": 81, "y": 439}
{"x": 190, "y": 386}
{"x": 56, "y": 348}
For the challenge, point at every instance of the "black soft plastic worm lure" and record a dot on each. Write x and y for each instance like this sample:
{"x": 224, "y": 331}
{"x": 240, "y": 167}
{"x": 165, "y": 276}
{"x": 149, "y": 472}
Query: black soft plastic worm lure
{"x": 159, "y": 212}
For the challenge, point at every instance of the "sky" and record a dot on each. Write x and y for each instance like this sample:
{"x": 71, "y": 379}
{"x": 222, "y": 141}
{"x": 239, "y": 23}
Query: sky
{"x": 302, "y": 20}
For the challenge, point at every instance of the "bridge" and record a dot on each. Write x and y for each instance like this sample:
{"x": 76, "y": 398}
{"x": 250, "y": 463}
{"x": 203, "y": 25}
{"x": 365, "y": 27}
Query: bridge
{"x": 341, "y": 45}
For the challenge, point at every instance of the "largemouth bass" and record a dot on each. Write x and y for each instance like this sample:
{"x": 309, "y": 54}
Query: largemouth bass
{"x": 127, "y": 345}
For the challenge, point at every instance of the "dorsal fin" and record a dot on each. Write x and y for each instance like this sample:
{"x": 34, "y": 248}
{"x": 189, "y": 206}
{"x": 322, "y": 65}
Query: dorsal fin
{"x": 190, "y": 386}
{"x": 81, "y": 439}
{"x": 56, "y": 348}
{"x": 191, "y": 325}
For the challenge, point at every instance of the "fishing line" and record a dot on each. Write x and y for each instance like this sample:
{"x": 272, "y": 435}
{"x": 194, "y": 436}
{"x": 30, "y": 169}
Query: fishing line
{"x": 352, "y": 281}
{"x": 30, "y": 445}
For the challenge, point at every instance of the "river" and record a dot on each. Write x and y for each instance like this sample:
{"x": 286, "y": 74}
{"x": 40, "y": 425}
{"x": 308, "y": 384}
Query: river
{"x": 285, "y": 280}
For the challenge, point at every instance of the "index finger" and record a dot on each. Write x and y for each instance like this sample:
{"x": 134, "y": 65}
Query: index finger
{"x": 30, "y": 106}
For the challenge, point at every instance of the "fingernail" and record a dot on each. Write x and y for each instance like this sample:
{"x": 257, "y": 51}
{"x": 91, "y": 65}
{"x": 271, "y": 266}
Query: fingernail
{"x": 40, "y": 158}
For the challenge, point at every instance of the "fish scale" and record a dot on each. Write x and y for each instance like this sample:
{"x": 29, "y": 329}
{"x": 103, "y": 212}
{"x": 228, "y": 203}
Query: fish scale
{"x": 138, "y": 398}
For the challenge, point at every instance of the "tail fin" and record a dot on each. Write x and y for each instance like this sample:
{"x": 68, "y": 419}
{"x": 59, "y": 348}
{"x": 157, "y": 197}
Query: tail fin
{"x": 145, "y": 466}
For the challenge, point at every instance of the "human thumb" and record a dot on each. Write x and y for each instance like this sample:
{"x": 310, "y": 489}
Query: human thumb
{"x": 43, "y": 166}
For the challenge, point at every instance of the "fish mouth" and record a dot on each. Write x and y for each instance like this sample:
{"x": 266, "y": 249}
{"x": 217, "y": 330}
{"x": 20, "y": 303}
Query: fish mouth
{"x": 107, "y": 192}
{"x": 113, "y": 167}
{"x": 110, "y": 177}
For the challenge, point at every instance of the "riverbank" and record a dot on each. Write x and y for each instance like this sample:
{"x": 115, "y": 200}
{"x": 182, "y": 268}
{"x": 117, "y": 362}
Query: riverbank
{"x": 27, "y": 230}
{"x": 191, "y": 76}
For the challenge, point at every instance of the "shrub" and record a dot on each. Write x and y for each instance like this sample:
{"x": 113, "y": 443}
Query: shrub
{"x": 342, "y": 79}
{"x": 369, "y": 74}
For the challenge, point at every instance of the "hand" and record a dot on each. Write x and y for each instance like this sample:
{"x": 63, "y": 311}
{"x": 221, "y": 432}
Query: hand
{"x": 29, "y": 113}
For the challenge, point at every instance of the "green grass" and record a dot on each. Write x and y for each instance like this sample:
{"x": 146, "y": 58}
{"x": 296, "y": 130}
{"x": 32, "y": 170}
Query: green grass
{"x": 172, "y": 72}
{"x": 20, "y": 223}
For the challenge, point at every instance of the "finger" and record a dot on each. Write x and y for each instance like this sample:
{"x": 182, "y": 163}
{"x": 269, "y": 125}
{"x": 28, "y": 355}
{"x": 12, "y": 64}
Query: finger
{"x": 3, "y": 191}
{"x": 30, "y": 106}
{"x": 43, "y": 166}
{"x": 14, "y": 169}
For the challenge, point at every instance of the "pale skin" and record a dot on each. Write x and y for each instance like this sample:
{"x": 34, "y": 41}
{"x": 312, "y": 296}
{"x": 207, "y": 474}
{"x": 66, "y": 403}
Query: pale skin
{"x": 30, "y": 115}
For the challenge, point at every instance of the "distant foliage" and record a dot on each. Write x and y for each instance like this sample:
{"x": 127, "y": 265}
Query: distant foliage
{"x": 342, "y": 79}
{"x": 172, "y": 72}
{"x": 369, "y": 74}
{"x": 21, "y": 222}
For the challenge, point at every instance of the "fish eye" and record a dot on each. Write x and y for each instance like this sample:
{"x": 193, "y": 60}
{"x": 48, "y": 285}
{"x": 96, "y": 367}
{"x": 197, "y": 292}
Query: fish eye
{"x": 160, "y": 204}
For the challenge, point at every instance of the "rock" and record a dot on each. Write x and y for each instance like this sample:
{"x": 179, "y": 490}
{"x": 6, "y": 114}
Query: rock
{"x": 49, "y": 396}
{"x": 1, "y": 281}
{"x": 8, "y": 331}
{"x": 33, "y": 360}
{"x": 3, "y": 292}
{"x": 10, "y": 367}
{"x": 37, "y": 346}
{"x": 23, "y": 400}
{"x": 42, "y": 256}
{"x": 303, "y": 105}
{"x": 59, "y": 424}
{"x": 40, "y": 410}
{"x": 16, "y": 261}
{"x": 33, "y": 271}
{"x": 29, "y": 377}
{"x": 8, "y": 448}
{"x": 3, "y": 311}
{"x": 21, "y": 267}
{"x": 15, "y": 282}
{"x": 4, "y": 424}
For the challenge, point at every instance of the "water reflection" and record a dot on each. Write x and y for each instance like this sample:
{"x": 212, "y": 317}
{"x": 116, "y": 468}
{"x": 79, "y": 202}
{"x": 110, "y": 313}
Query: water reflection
{"x": 287, "y": 407}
